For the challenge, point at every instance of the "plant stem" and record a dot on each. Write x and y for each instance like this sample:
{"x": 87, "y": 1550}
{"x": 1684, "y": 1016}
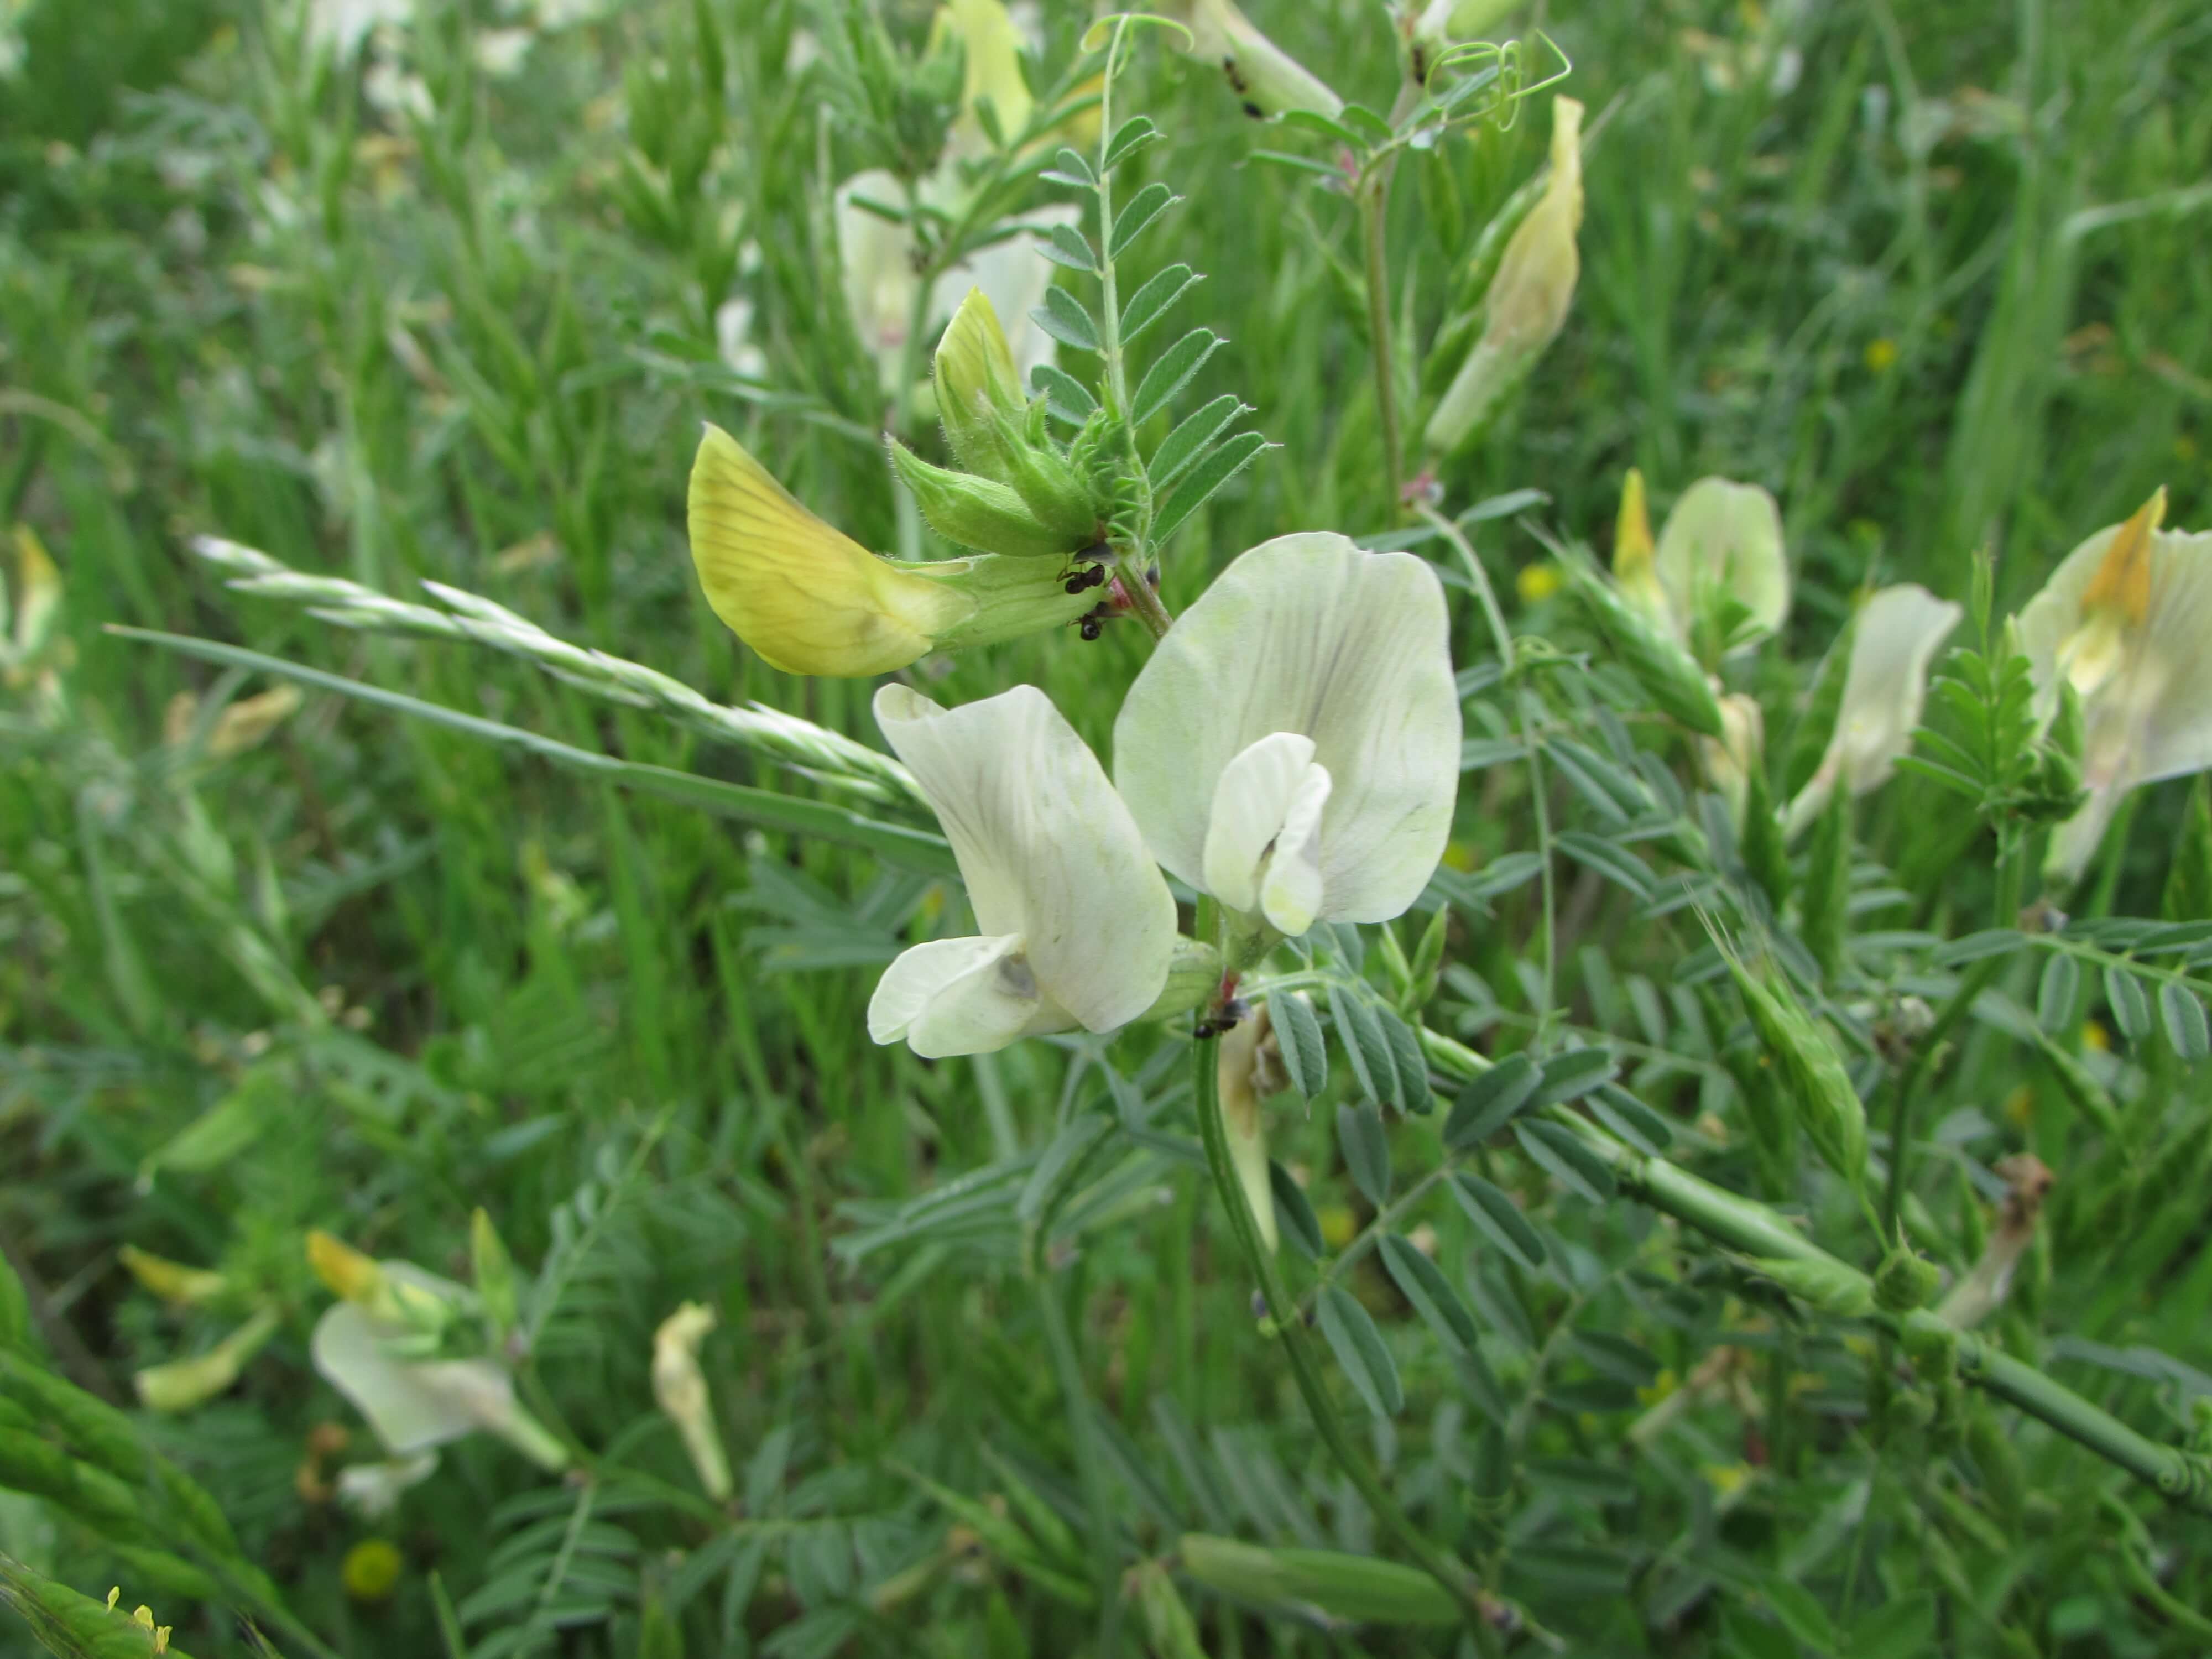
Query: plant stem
{"x": 1067, "y": 1370}
{"x": 1374, "y": 229}
{"x": 1978, "y": 980}
{"x": 1375, "y": 241}
{"x": 1745, "y": 1224}
{"x": 1501, "y": 638}
{"x": 1305, "y": 1366}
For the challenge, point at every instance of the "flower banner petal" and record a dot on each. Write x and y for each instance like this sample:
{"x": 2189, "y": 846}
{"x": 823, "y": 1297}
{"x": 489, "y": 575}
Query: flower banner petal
{"x": 1306, "y": 634}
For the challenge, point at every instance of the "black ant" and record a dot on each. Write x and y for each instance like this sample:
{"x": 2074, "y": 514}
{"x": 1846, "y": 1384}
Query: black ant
{"x": 1227, "y": 1018}
{"x": 1093, "y": 576}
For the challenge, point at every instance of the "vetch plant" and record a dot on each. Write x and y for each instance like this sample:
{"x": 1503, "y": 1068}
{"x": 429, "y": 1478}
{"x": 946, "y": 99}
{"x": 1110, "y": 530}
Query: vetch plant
{"x": 1499, "y": 894}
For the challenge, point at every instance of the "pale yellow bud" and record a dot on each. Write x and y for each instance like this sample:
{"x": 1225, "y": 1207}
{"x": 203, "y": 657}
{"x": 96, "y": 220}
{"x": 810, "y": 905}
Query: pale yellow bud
{"x": 172, "y": 1280}
{"x": 1528, "y": 299}
{"x": 183, "y": 1384}
{"x": 1265, "y": 79}
{"x": 344, "y": 1271}
{"x": 681, "y": 1387}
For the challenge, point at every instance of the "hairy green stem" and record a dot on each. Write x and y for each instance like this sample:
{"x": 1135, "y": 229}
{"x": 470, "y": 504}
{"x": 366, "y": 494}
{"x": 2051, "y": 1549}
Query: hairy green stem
{"x": 1305, "y": 1364}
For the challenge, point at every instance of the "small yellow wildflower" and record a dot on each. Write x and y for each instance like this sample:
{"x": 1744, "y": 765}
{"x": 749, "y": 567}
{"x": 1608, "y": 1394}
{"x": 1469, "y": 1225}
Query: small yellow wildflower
{"x": 2094, "y": 1036}
{"x": 371, "y": 1570}
{"x": 2019, "y": 1107}
{"x": 1338, "y": 1225}
{"x": 1882, "y": 354}
{"x": 1726, "y": 1479}
{"x": 1662, "y": 1385}
{"x": 1538, "y": 582}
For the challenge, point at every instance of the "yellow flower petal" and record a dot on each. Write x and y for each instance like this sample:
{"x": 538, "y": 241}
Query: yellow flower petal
{"x": 808, "y": 598}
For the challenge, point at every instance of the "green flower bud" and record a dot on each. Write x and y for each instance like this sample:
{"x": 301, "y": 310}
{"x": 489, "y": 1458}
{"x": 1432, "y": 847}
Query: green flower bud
{"x": 1048, "y": 484}
{"x": 1933, "y": 1348}
{"x": 1168, "y": 1623}
{"x": 975, "y": 512}
{"x": 1668, "y": 674}
{"x": 494, "y": 1272}
{"x": 978, "y": 387}
{"x": 1905, "y": 1279}
{"x": 1811, "y": 1071}
{"x": 2003, "y": 1480}
{"x": 1830, "y": 1286}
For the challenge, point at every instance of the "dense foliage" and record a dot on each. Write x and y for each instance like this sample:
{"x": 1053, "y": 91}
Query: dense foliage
{"x": 1752, "y": 1203}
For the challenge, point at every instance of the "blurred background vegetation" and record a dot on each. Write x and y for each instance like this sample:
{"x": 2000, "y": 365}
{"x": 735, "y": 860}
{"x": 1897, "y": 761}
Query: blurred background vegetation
{"x": 1935, "y": 275}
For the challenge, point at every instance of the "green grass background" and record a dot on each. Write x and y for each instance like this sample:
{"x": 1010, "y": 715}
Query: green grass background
{"x": 1935, "y": 275}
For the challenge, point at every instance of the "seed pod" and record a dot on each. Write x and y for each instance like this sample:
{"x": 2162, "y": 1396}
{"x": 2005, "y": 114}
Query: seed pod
{"x": 1668, "y": 674}
{"x": 991, "y": 518}
{"x": 1828, "y": 1286}
{"x": 1355, "y": 1587}
{"x": 1811, "y": 1071}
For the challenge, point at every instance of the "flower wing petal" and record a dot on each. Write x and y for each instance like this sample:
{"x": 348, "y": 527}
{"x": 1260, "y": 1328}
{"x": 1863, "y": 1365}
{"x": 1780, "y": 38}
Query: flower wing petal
{"x": 1048, "y": 849}
{"x": 1900, "y": 630}
{"x": 959, "y": 996}
{"x": 412, "y": 1407}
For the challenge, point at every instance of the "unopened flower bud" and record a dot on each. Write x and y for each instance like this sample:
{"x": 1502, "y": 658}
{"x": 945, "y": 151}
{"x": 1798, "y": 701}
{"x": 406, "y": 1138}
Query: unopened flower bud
{"x": 975, "y": 512}
{"x": 183, "y": 1384}
{"x": 1267, "y": 80}
{"x": 1526, "y": 304}
{"x": 681, "y": 1389}
{"x": 1667, "y": 673}
{"x": 494, "y": 1272}
{"x": 977, "y": 387}
{"x": 1905, "y": 1279}
{"x": 1830, "y": 1286}
{"x": 173, "y": 1281}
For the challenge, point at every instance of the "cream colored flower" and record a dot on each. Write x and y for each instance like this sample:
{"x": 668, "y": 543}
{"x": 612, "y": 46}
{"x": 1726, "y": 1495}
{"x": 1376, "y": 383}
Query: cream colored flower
{"x": 1900, "y": 631}
{"x": 2126, "y": 620}
{"x": 1721, "y": 563}
{"x": 1292, "y": 746}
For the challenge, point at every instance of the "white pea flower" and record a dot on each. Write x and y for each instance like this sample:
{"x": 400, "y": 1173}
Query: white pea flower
{"x": 1079, "y": 929}
{"x": 877, "y": 259}
{"x": 1722, "y": 543}
{"x": 372, "y": 1491}
{"x": 2126, "y": 619}
{"x": 369, "y": 1346}
{"x": 1292, "y": 747}
{"x": 1900, "y": 631}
